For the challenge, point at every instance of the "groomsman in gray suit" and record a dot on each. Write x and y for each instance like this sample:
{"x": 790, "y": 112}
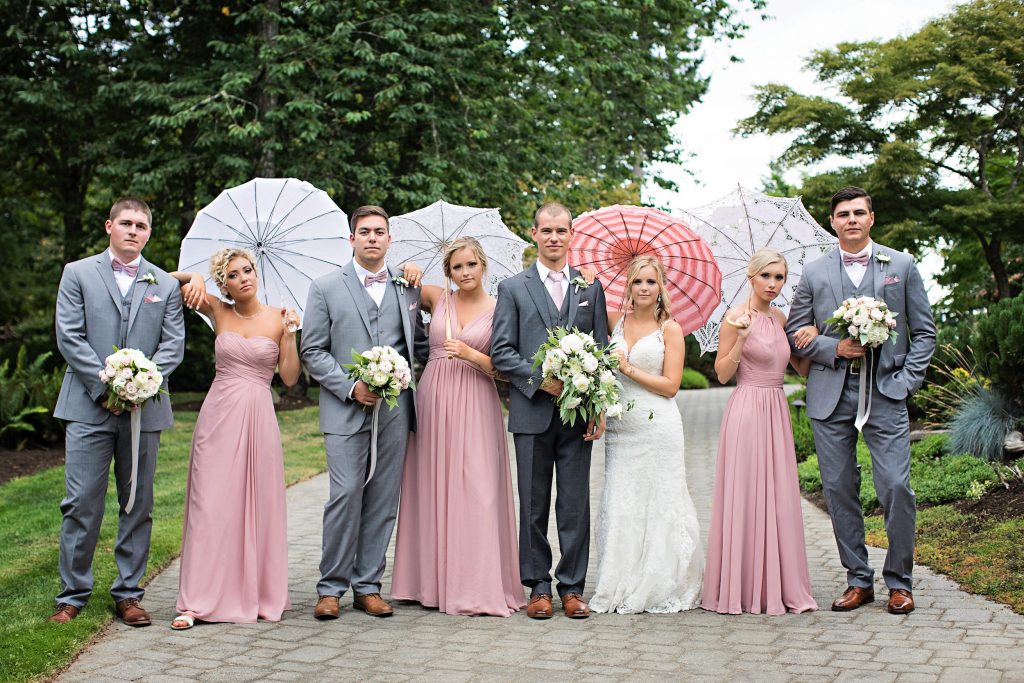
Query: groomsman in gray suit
{"x": 861, "y": 267}
{"x": 353, "y": 309}
{"x": 539, "y": 298}
{"x": 115, "y": 298}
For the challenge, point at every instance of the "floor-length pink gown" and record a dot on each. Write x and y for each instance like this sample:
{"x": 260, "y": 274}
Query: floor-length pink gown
{"x": 234, "y": 558}
{"x": 457, "y": 547}
{"x": 756, "y": 559}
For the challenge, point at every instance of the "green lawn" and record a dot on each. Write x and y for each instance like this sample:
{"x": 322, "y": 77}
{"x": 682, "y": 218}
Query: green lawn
{"x": 29, "y": 528}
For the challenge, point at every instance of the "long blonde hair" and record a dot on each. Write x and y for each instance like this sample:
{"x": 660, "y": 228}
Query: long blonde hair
{"x": 663, "y": 308}
{"x": 458, "y": 245}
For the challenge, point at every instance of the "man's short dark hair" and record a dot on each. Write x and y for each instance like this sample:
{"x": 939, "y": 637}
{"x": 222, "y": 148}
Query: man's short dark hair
{"x": 131, "y": 204}
{"x": 846, "y": 194}
{"x": 551, "y": 208}
{"x": 368, "y": 210}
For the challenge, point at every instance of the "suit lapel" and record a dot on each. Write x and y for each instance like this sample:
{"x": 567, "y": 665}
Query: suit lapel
{"x": 356, "y": 289}
{"x": 835, "y": 276}
{"x": 540, "y": 296}
{"x": 403, "y": 304}
{"x": 879, "y": 276}
{"x": 139, "y": 292}
{"x": 573, "y": 292}
{"x": 107, "y": 275}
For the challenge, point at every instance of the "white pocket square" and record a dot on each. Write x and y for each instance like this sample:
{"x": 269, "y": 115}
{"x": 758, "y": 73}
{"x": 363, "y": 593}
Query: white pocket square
{"x": 412, "y": 306}
{"x": 584, "y": 303}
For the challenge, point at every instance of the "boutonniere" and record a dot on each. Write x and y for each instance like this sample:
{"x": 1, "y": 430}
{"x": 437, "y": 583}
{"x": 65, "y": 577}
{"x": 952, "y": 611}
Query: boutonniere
{"x": 579, "y": 282}
{"x": 882, "y": 259}
{"x": 401, "y": 282}
{"x": 149, "y": 278}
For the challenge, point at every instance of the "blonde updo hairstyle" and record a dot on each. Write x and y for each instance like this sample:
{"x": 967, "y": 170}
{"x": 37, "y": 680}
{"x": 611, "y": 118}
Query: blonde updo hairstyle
{"x": 761, "y": 259}
{"x": 663, "y": 307}
{"x": 458, "y": 245}
{"x": 219, "y": 265}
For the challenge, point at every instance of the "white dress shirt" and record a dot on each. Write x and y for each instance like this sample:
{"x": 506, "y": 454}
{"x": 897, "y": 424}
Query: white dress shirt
{"x": 543, "y": 271}
{"x": 377, "y": 289}
{"x": 856, "y": 271}
{"x": 123, "y": 280}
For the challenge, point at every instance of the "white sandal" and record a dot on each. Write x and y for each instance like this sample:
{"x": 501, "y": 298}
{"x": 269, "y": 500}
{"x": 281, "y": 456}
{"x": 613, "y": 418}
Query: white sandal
{"x": 189, "y": 620}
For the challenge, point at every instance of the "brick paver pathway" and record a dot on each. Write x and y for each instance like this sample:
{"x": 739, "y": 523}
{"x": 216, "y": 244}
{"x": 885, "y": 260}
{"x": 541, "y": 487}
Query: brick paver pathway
{"x": 952, "y": 636}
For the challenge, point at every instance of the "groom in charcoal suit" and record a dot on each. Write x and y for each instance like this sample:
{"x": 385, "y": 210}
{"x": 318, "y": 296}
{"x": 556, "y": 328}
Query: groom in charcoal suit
{"x": 354, "y": 309}
{"x": 115, "y": 298}
{"x": 861, "y": 267}
{"x": 539, "y": 298}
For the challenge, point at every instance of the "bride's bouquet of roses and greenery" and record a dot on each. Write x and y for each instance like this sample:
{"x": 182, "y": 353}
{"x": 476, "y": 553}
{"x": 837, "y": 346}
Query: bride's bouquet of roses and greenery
{"x": 385, "y": 371}
{"x": 585, "y": 369}
{"x": 131, "y": 377}
{"x": 865, "y": 319}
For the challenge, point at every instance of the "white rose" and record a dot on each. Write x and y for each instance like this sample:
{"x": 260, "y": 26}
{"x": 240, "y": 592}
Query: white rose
{"x": 589, "y": 362}
{"x": 573, "y": 402}
{"x": 853, "y": 331}
{"x": 581, "y": 382}
{"x": 571, "y": 343}
{"x": 877, "y": 314}
{"x": 607, "y": 377}
{"x": 840, "y": 312}
{"x": 861, "y": 319}
{"x": 614, "y": 410}
{"x": 379, "y": 379}
{"x": 386, "y": 365}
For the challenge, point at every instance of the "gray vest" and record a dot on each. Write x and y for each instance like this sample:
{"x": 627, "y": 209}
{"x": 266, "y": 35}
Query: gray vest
{"x": 559, "y": 316}
{"x": 866, "y": 288}
{"x": 126, "y": 309}
{"x": 386, "y": 321}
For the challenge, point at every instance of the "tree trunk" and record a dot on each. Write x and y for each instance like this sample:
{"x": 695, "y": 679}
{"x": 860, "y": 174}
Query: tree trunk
{"x": 266, "y": 102}
{"x": 993, "y": 256}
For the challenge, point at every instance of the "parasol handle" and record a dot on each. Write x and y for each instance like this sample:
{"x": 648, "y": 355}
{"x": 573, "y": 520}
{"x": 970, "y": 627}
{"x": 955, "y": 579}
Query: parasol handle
{"x": 447, "y": 315}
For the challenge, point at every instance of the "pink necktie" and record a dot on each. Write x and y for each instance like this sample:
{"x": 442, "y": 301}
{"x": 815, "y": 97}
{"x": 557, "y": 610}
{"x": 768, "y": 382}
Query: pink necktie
{"x": 860, "y": 257}
{"x": 120, "y": 267}
{"x": 368, "y": 280}
{"x": 554, "y": 285}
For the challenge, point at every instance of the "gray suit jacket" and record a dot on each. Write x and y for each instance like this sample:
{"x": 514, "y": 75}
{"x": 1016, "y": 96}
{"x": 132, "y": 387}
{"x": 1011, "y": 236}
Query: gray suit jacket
{"x": 901, "y": 365}
{"x": 335, "y": 322}
{"x": 88, "y": 325}
{"x": 521, "y": 321}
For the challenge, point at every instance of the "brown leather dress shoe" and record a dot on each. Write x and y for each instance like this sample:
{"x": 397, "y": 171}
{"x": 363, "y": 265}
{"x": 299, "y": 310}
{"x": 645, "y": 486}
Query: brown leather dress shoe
{"x": 372, "y": 604}
{"x": 574, "y": 606}
{"x": 901, "y": 601}
{"x": 64, "y": 613}
{"x": 540, "y": 607}
{"x": 852, "y": 598}
{"x": 327, "y": 607}
{"x": 131, "y": 612}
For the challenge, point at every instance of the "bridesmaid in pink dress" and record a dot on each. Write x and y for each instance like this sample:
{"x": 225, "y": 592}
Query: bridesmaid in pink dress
{"x": 234, "y": 558}
{"x": 456, "y": 547}
{"x": 756, "y": 560}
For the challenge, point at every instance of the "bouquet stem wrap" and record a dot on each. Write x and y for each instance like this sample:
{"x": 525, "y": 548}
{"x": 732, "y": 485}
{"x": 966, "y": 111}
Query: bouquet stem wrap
{"x": 373, "y": 443}
{"x": 864, "y": 393}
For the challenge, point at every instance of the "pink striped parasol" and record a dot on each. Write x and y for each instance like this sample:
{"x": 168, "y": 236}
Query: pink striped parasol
{"x": 610, "y": 238}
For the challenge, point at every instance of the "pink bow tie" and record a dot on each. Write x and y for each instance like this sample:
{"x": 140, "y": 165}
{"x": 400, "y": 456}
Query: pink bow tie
{"x": 850, "y": 259}
{"x": 382, "y": 276}
{"x": 119, "y": 267}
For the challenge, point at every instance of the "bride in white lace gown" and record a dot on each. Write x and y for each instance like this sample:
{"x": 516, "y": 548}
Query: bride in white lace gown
{"x": 648, "y": 540}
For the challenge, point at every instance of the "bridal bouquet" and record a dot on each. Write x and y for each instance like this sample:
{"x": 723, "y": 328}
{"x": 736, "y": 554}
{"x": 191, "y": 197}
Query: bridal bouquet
{"x": 865, "y": 319}
{"x": 131, "y": 377}
{"x": 585, "y": 370}
{"x": 384, "y": 370}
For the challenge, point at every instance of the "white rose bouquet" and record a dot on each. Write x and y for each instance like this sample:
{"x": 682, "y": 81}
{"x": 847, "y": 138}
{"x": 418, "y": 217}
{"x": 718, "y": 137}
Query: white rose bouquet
{"x": 585, "y": 370}
{"x": 385, "y": 371}
{"x": 131, "y": 377}
{"x": 865, "y": 319}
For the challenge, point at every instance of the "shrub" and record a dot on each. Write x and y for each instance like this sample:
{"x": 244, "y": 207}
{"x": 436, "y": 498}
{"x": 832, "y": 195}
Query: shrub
{"x": 930, "y": 447}
{"x": 982, "y": 421}
{"x": 693, "y": 380}
{"x": 999, "y": 344}
{"x": 803, "y": 437}
{"x": 28, "y": 395}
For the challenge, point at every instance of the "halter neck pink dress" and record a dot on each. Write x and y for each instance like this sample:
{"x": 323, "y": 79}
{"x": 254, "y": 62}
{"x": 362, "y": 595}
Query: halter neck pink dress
{"x": 234, "y": 557}
{"x": 756, "y": 559}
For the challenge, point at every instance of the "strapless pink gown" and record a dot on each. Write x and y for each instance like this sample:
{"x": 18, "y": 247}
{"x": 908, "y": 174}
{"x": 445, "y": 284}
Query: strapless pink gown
{"x": 756, "y": 560}
{"x": 456, "y": 547}
{"x": 234, "y": 557}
